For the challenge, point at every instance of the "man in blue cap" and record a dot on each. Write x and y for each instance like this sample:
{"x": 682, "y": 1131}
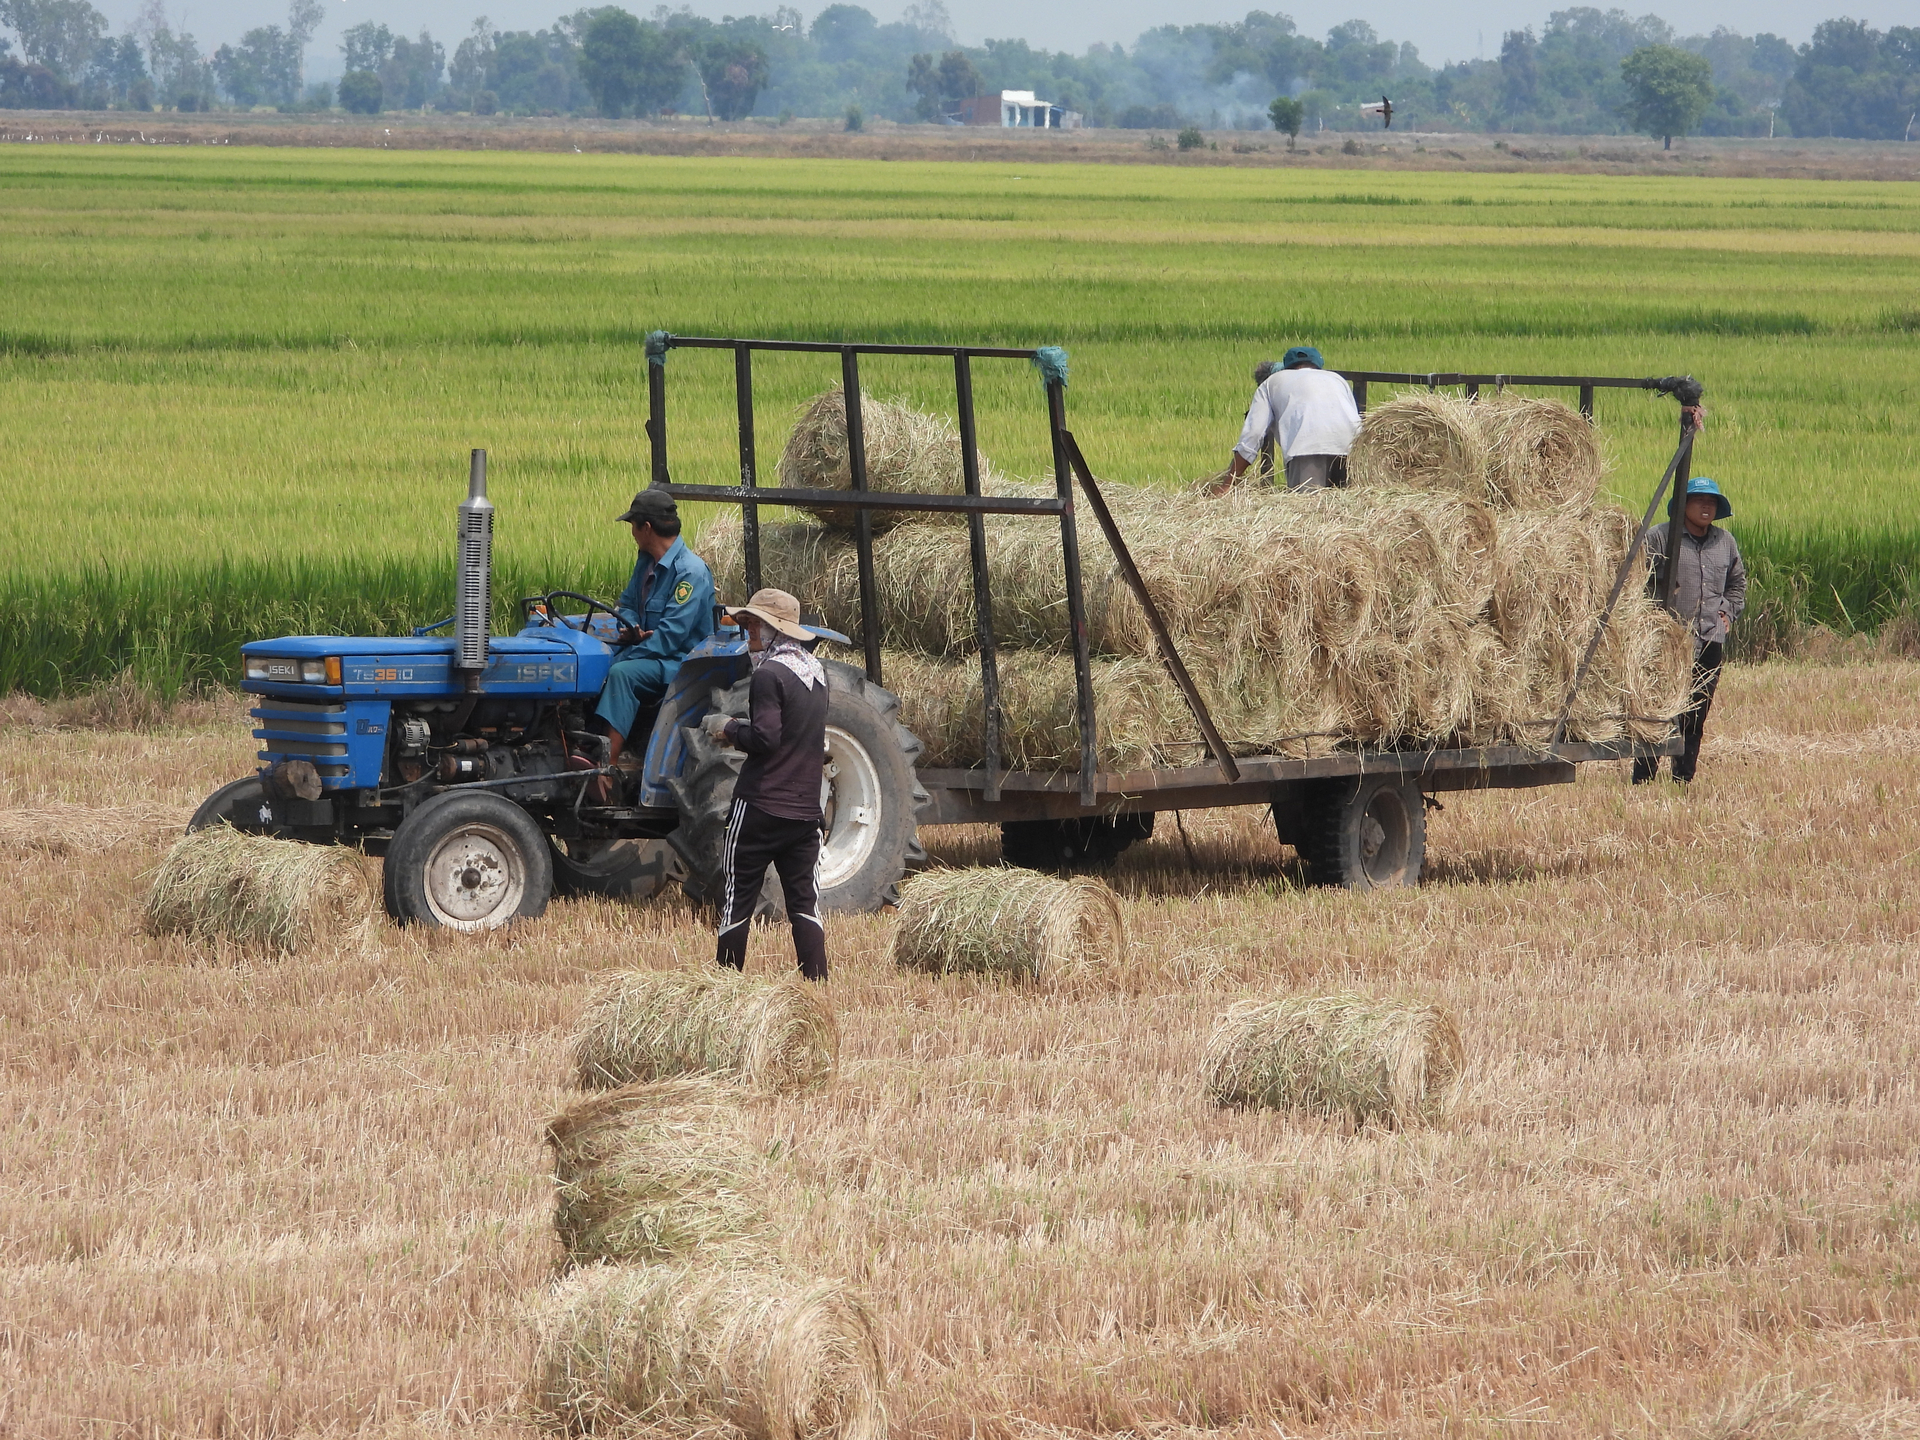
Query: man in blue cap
{"x": 666, "y": 610}
{"x": 1313, "y": 412}
{"x": 1710, "y": 594}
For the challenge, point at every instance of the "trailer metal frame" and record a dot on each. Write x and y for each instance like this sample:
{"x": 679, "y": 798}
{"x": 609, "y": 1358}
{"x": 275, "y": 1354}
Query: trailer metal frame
{"x": 991, "y": 793}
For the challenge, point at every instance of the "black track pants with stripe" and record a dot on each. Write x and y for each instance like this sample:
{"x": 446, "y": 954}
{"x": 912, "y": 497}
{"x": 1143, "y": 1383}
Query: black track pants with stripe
{"x": 756, "y": 840}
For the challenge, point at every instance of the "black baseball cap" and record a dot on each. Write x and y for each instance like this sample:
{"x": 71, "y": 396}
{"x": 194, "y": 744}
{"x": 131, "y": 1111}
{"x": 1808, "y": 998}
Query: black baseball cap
{"x": 651, "y": 507}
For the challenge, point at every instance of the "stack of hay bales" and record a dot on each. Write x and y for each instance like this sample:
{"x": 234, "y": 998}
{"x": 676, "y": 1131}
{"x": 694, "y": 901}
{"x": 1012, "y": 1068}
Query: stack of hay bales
{"x": 220, "y": 883}
{"x": 1446, "y": 597}
{"x": 680, "y": 1316}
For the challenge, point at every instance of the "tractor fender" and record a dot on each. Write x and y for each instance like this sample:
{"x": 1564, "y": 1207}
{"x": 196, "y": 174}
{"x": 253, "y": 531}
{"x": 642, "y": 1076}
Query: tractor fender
{"x": 713, "y": 663}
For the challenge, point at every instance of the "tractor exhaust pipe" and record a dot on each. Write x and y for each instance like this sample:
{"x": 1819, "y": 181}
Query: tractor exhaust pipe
{"x": 473, "y": 588}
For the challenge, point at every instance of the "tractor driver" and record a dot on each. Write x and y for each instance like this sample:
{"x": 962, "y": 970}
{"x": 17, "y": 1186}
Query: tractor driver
{"x": 666, "y": 610}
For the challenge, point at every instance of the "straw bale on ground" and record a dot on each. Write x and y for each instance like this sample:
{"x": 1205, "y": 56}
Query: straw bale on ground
{"x": 1008, "y": 922}
{"x": 1337, "y": 1055}
{"x": 59, "y": 828}
{"x": 221, "y": 883}
{"x": 710, "y": 1351}
{"x": 656, "y": 1172}
{"x": 1540, "y": 453}
{"x": 906, "y": 449}
{"x": 654, "y": 1025}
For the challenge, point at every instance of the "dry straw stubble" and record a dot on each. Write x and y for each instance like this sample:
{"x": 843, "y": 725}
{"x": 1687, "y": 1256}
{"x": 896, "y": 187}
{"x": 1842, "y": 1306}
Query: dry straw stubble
{"x": 657, "y": 1172}
{"x": 1008, "y": 922}
{"x": 219, "y": 883}
{"x": 653, "y": 1025}
{"x": 66, "y": 829}
{"x": 683, "y": 1350}
{"x": 1339, "y": 1055}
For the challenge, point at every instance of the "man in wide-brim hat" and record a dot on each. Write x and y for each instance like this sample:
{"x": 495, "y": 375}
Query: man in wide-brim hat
{"x": 1710, "y": 593}
{"x": 776, "y": 816}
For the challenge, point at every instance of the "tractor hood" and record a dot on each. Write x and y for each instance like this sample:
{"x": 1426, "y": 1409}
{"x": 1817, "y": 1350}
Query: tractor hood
{"x": 541, "y": 660}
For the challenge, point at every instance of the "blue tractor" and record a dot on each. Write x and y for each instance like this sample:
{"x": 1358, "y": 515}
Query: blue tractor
{"x": 467, "y": 761}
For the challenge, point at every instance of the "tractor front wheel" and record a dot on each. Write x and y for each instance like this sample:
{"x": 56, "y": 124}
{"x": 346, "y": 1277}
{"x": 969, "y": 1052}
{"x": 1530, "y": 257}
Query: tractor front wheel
{"x": 468, "y": 861}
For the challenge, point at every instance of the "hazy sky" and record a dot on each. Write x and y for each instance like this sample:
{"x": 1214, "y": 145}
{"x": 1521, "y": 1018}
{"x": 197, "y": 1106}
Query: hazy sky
{"x": 1441, "y": 32}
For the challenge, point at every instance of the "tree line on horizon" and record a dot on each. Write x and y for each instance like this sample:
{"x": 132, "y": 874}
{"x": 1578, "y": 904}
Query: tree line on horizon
{"x": 1849, "y": 80}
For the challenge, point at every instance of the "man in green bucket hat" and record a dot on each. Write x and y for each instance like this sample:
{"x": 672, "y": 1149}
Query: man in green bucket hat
{"x": 1711, "y": 593}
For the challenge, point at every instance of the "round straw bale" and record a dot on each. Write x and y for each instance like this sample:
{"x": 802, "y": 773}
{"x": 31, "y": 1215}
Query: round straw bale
{"x": 662, "y": 1171}
{"x": 1338, "y": 1055}
{"x": 1008, "y": 922}
{"x": 220, "y": 882}
{"x": 645, "y": 1025}
{"x": 1426, "y": 442}
{"x": 906, "y": 449}
{"x": 682, "y": 1350}
{"x": 1540, "y": 453}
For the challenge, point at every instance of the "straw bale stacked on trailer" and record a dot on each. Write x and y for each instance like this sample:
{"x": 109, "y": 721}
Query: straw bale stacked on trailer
{"x": 1428, "y": 610}
{"x": 906, "y": 450}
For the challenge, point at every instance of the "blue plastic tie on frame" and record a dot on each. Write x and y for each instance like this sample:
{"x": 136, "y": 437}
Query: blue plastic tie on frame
{"x": 657, "y": 347}
{"x": 1051, "y": 362}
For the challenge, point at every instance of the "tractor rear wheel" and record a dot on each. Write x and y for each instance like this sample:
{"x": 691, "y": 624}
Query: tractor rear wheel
{"x": 1365, "y": 833}
{"x": 870, "y": 796}
{"x": 468, "y": 861}
{"x": 1092, "y": 843}
{"x": 618, "y": 869}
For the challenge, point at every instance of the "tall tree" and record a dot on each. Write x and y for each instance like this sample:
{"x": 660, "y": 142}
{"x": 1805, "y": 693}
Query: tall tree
{"x": 366, "y": 46}
{"x": 734, "y": 70}
{"x": 1668, "y": 90}
{"x": 59, "y": 34}
{"x": 1287, "y": 115}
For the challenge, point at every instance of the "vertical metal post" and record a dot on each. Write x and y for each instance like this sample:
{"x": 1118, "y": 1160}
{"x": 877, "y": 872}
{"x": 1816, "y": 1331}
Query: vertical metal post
{"x": 1586, "y": 401}
{"x": 862, "y": 519}
{"x": 657, "y": 418}
{"x": 749, "y": 467}
{"x": 1076, "y": 597}
{"x": 1473, "y": 389}
{"x": 1360, "y": 396}
{"x": 982, "y": 600}
{"x": 1677, "y": 512}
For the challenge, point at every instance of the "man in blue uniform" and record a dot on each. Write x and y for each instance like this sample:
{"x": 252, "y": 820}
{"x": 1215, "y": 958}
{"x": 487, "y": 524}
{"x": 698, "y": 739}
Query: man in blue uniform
{"x": 666, "y": 610}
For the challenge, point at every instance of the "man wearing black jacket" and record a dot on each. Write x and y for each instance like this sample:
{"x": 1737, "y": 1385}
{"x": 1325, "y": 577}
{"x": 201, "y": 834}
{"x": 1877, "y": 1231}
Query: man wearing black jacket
{"x": 776, "y": 814}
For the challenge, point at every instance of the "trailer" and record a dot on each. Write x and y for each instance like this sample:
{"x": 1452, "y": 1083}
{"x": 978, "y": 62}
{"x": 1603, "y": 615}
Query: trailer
{"x": 1356, "y": 817}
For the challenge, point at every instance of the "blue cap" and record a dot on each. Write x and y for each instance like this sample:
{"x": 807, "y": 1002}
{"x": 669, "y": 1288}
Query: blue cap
{"x": 1302, "y": 352}
{"x": 1701, "y": 485}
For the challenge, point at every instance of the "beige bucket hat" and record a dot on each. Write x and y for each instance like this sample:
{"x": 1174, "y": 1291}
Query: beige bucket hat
{"x": 778, "y": 609}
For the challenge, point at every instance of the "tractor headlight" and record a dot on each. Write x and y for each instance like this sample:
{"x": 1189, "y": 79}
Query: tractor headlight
{"x": 257, "y": 668}
{"x": 314, "y": 672}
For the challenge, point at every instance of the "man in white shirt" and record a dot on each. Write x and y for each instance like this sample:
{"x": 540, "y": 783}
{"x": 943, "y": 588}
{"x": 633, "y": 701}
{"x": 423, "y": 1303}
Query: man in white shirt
{"x": 1314, "y": 414}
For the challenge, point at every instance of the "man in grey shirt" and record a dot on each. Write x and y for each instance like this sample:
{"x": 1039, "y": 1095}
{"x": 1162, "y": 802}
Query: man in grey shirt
{"x": 1710, "y": 594}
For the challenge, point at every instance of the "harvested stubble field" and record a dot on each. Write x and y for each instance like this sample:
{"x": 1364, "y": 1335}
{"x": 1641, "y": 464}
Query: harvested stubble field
{"x": 253, "y": 1196}
{"x": 241, "y": 383}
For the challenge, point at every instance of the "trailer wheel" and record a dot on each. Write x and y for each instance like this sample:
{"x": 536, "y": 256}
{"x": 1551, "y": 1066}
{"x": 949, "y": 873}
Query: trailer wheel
{"x": 871, "y": 798}
{"x": 1368, "y": 833}
{"x": 632, "y": 870}
{"x": 468, "y": 861}
{"x": 1092, "y": 843}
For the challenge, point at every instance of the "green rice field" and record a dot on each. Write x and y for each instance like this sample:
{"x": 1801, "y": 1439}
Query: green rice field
{"x": 239, "y": 386}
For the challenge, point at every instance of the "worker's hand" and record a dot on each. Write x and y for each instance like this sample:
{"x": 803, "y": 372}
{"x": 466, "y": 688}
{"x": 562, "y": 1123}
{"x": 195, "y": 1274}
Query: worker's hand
{"x": 631, "y": 635}
{"x": 715, "y": 728}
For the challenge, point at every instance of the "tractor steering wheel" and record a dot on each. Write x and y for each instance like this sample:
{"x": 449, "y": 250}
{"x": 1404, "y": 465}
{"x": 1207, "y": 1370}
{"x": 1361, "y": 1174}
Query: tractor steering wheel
{"x": 587, "y": 600}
